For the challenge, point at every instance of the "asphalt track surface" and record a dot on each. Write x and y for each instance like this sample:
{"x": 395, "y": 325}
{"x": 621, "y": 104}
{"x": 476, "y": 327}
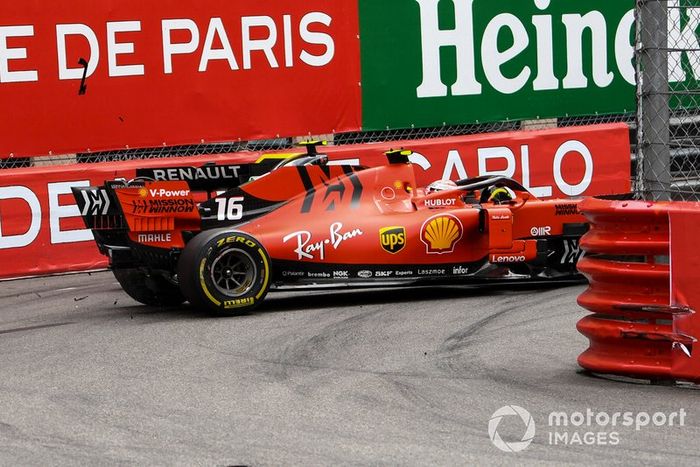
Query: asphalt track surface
{"x": 355, "y": 377}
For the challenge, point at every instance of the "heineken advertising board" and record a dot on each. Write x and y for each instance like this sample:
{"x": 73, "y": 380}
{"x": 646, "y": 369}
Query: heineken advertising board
{"x": 434, "y": 62}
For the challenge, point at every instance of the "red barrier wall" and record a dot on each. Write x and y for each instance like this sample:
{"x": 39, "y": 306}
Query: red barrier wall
{"x": 573, "y": 161}
{"x": 40, "y": 231}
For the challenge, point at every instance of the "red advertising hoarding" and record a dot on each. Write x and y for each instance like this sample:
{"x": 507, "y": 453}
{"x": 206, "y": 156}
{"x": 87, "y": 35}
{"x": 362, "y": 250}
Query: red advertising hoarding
{"x": 572, "y": 161}
{"x": 40, "y": 228}
{"x": 76, "y": 76}
{"x": 40, "y": 231}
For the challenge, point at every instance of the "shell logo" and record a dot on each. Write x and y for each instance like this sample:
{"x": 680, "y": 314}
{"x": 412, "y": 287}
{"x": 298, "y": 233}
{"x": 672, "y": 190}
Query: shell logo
{"x": 441, "y": 233}
{"x": 143, "y": 192}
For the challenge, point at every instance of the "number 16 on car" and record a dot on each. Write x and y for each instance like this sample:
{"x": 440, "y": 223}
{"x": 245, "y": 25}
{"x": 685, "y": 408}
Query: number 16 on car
{"x": 229, "y": 209}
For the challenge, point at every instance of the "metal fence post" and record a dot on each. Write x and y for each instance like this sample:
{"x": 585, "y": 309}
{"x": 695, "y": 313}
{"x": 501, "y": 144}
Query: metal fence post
{"x": 654, "y": 157}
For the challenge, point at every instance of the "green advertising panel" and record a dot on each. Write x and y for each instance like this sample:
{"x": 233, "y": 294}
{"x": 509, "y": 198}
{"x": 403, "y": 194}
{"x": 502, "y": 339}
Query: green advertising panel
{"x": 434, "y": 62}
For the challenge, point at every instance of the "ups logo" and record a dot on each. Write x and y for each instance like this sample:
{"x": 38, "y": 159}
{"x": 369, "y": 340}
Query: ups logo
{"x": 393, "y": 239}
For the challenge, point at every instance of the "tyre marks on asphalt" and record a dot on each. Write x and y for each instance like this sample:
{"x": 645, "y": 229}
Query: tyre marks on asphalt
{"x": 33, "y": 328}
{"x": 399, "y": 376}
{"x": 314, "y": 347}
{"x": 464, "y": 360}
{"x": 503, "y": 327}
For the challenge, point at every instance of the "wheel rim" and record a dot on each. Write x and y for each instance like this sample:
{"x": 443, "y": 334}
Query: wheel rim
{"x": 233, "y": 272}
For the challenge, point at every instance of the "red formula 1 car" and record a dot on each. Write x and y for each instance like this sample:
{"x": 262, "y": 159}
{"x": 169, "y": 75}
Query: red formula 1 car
{"x": 171, "y": 238}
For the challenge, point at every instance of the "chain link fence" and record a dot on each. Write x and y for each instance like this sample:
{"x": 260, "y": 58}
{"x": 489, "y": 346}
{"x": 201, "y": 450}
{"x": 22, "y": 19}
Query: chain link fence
{"x": 668, "y": 89}
{"x": 337, "y": 139}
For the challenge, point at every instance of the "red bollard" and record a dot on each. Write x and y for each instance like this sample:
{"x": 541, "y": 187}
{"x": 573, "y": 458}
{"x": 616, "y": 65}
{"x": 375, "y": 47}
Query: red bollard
{"x": 643, "y": 323}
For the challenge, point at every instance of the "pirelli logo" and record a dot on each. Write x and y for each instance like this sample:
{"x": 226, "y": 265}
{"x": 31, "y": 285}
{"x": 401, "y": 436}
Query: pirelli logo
{"x": 239, "y": 302}
{"x": 393, "y": 239}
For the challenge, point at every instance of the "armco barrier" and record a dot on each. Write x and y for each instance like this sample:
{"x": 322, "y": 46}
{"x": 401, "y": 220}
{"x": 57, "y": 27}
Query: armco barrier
{"x": 640, "y": 263}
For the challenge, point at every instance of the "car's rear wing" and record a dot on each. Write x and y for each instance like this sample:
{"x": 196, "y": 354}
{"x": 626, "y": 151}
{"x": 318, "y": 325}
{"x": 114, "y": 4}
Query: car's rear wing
{"x": 212, "y": 177}
{"x": 99, "y": 207}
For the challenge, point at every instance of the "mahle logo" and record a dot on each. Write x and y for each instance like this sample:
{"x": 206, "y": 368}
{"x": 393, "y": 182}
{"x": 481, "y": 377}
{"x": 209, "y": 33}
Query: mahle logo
{"x": 510, "y": 411}
{"x": 393, "y": 239}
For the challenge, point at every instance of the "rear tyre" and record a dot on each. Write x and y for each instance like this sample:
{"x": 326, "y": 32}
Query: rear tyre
{"x": 149, "y": 289}
{"x": 223, "y": 271}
